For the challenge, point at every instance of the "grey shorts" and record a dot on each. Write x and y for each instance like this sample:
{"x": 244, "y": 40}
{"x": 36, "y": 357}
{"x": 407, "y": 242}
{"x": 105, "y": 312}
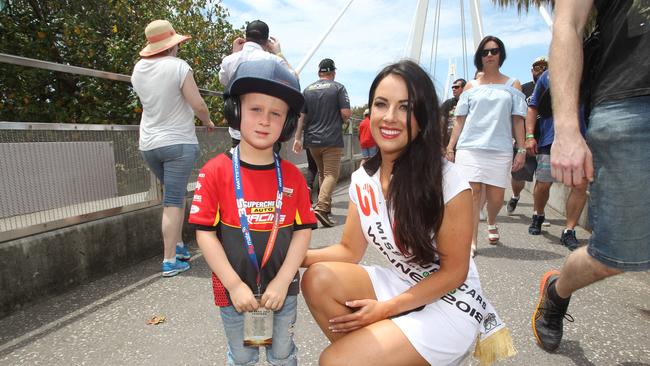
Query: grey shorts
{"x": 543, "y": 171}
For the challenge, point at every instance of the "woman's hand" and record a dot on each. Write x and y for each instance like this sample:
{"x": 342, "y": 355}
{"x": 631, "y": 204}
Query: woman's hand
{"x": 518, "y": 163}
{"x": 450, "y": 155}
{"x": 274, "y": 295}
{"x": 368, "y": 311}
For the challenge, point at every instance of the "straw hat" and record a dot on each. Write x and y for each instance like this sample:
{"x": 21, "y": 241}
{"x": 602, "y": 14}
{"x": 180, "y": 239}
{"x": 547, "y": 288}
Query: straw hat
{"x": 161, "y": 36}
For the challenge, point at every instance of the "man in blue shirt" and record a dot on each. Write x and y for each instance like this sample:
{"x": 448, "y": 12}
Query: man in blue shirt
{"x": 539, "y": 104}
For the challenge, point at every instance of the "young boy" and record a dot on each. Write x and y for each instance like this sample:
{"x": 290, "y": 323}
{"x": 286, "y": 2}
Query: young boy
{"x": 251, "y": 211}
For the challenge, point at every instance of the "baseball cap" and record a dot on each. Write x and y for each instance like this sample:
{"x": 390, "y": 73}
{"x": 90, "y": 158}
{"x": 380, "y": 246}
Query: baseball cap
{"x": 540, "y": 60}
{"x": 366, "y": 112}
{"x": 326, "y": 65}
{"x": 267, "y": 77}
{"x": 257, "y": 30}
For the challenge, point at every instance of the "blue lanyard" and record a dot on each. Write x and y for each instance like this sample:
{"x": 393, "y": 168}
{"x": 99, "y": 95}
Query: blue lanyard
{"x": 243, "y": 220}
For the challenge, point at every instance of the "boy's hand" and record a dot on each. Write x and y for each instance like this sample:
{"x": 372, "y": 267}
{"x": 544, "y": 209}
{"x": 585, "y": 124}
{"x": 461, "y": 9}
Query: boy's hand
{"x": 273, "y": 297}
{"x": 242, "y": 298}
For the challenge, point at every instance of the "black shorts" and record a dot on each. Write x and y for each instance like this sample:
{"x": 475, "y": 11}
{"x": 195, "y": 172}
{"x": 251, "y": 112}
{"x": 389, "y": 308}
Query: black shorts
{"x": 526, "y": 173}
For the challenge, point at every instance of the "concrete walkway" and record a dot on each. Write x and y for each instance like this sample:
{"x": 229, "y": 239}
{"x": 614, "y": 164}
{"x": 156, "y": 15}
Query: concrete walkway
{"x": 104, "y": 322}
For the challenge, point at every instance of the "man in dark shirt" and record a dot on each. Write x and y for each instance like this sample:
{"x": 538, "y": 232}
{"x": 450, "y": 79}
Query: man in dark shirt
{"x": 615, "y": 159}
{"x": 448, "y": 108}
{"x": 326, "y": 108}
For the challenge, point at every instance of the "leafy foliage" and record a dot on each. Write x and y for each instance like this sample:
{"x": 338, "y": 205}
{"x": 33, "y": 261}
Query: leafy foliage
{"x": 101, "y": 35}
{"x": 522, "y": 5}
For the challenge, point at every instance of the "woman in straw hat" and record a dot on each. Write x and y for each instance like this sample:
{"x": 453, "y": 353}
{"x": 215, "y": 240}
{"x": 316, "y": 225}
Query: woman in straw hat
{"x": 170, "y": 100}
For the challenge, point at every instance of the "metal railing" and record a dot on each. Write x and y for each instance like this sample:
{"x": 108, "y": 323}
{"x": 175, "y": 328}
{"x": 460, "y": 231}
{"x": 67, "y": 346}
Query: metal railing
{"x": 54, "y": 175}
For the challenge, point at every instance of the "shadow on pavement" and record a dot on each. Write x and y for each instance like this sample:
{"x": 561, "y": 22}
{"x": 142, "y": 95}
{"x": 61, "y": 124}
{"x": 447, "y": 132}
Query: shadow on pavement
{"x": 501, "y": 251}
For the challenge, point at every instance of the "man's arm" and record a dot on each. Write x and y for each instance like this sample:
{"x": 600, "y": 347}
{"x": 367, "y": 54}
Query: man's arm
{"x": 273, "y": 46}
{"x": 570, "y": 157}
{"x": 346, "y": 113}
{"x": 297, "y": 141}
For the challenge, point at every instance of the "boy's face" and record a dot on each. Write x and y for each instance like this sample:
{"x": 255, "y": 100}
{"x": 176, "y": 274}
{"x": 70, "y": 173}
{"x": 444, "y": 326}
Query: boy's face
{"x": 262, "y": 119}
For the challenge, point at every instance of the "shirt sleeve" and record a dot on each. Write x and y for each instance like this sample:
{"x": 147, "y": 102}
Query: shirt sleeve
{"x": 537, "y": 92}
{"x": 344, "y": 100}
{"x": 224, "y": 74}
{"x": 305, "y": 218}
{"x": 462, "y": 107}
{"x": 453, "y": 181}
{"x": 183, "y": 69}
{"x": 204, "y": 213}
{"x": 519, "y": 106}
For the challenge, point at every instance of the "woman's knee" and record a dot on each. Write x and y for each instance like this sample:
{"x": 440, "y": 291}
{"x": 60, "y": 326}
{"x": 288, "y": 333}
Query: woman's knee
{"x": 317, "y": 280}
{"x": 331, "y": 357}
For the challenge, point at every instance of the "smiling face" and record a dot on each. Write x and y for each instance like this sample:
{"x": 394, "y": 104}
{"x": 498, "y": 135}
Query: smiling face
{"x": 262, "y": 119}
{"x": 388, "y": 116}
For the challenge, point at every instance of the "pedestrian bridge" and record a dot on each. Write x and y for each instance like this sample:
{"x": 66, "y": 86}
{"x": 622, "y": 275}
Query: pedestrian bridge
{"x": 105, "y": 321}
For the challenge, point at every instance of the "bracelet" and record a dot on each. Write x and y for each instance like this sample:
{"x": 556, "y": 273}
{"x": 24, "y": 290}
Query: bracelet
{"x": 530, "y": 136}
{"x": 521, "y": 150}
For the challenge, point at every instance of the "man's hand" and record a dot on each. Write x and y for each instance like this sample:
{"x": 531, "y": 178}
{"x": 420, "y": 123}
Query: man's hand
{"x": 531, "y": 146}
{"x": 238, "y": 44}
{"x": 297, "y": 146}
{"x": 273, "y": 46}
{"x": 571, "y": 160}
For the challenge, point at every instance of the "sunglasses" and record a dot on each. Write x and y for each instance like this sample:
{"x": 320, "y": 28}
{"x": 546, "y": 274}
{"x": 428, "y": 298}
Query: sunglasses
{"x": 539, "y": 68}
{"x": 492, "y": 51}
{"x": 456, "y": 86}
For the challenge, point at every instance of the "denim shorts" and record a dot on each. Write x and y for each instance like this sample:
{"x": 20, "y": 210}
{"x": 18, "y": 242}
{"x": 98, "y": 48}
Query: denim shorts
{"x": 368, "y": 153}
{"x": 172, "y": 165}
{"x": 283, "y": 350}
{"x": 619, "y": 205}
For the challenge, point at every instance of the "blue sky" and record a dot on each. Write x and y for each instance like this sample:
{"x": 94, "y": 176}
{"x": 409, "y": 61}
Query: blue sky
{"x": 374, "y": 33}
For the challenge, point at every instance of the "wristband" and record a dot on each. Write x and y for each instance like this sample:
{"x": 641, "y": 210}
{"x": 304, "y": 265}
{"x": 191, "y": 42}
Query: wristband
{"x": 530, "y": 136}
{"x": 521, "y": 151}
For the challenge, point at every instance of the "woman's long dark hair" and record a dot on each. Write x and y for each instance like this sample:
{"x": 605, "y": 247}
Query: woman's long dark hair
{"x": 415, "y": 191}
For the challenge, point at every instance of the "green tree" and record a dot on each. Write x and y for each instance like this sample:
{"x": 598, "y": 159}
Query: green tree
{"x": 101, "y": 35}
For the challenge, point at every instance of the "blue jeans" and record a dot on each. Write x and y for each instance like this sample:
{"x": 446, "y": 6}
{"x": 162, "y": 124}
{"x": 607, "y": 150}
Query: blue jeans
{"x": 368, "y": 153}
{"x": 172, "y": 165}
{"x": 619, "y": 205}
{"x": 281, "y": 352}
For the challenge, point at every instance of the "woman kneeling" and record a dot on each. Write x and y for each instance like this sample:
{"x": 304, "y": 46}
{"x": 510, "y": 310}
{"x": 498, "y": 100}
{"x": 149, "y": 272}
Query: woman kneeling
{"x": 425, "y": 305}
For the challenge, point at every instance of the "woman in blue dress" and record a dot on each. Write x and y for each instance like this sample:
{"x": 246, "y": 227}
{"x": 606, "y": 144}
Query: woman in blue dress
{"x": 489, "y": 114}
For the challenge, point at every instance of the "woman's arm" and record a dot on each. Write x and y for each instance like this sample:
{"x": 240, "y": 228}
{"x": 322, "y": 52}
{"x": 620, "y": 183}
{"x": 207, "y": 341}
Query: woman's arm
{"x": 459, "y": 122}
{"x": 351, "y": 248}
{"x": 193, "y": 97}
{"x": 453, "y": 242}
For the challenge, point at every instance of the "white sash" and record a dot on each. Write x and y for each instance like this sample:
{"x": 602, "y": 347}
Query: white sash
{"x": 494, "y": 339}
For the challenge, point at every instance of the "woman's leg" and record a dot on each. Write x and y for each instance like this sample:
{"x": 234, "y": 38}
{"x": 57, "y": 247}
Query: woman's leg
{"x": 494, "y": 197}
{"x": 378, "y": 344}
{"x": 476, "y": 198}
{"x": 172, "y": 226}
{"x": 326, "y": 287}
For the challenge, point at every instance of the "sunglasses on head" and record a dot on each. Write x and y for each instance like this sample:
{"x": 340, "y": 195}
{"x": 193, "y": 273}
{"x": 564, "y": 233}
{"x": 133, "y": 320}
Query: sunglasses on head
{"x": 492, "y": 51}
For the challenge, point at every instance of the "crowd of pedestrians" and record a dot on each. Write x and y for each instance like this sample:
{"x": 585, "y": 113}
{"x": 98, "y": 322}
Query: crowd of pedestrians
{"x": 253, "y": 213}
